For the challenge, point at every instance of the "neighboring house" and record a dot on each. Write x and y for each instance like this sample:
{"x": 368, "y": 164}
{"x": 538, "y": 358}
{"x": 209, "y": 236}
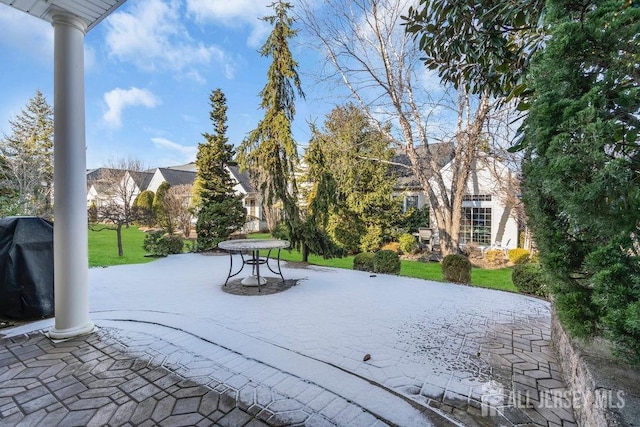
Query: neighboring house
{"x": 107, "y": 184}
{"x": 488, "y": 215}
{"x": 99, "y": 190}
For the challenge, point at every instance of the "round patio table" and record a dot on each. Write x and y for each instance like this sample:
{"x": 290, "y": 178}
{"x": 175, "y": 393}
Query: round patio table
{"x": 252, "y": 247}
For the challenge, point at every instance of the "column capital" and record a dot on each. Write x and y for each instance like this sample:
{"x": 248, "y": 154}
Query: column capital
{"x": 61, "y": 17}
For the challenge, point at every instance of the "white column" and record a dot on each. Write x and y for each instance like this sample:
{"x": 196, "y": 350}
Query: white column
{"x": 71, "y": 258}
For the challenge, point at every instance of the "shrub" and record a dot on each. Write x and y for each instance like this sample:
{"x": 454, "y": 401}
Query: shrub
{"x": 346, "y": 231}
{"x": 456, "y": 268}
{"x": 363, "y": 261}
{"x": 519, "y": 255}
{"x": 530, "y": 279}
{"x": 408, "y": 243}
{"x": 386, "y": 262}
{"x": 494, "y": 257}
{"x": 158, "y": 243}
{"x": 92, "y": 213}
{"x": 372, "y": 239}
{"x": 391, "y": 246}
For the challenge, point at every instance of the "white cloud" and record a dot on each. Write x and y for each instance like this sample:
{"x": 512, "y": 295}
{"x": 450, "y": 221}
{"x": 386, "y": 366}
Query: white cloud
{"x": 234, "y": 13}
{"x": 151, "y": 35}
{"x": 33, "y": 35}
{"x": 118, "y": 99}
{"x": 186, "y": 153}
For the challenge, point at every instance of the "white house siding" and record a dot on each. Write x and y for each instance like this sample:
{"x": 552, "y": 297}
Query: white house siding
{"x": 482, "y": 181}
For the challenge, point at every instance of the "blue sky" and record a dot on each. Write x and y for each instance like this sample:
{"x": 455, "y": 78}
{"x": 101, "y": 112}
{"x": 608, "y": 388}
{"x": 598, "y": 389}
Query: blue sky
{"x": 149, "y": 70}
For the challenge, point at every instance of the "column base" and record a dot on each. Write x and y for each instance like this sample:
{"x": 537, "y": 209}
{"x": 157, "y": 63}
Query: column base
{"x": 65, "y": 334}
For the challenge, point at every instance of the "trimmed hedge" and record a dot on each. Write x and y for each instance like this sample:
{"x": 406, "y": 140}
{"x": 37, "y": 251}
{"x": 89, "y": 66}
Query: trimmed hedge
{"x": 456, "y": 268}
{"x": 530, "y": 279}
{"x": 386, "y": 262}
{"x": 363, "y": 261}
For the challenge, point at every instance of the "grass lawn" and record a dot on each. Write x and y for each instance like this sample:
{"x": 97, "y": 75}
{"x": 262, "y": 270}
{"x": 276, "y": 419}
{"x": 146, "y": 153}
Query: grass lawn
{"x": 103, "y": 251}
{"x": 103, "y": 247}
{"x": 494, "y": 279}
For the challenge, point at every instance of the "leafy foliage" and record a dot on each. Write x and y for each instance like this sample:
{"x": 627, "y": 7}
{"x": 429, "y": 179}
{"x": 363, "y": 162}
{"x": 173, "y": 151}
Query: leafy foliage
{"x": 456, "y": 268}
{"x": 351, "y": 181}
{"x": 162, "y": 217}
{"x": 582, "y": 167}
{"x": 386, "y": 262}
{"x": 486, "y": 45}
{"x": 408, "y": 243}
{"x": 220, "y": 211}
{"x": 143, "y": 205}
{"x": 26, "y": 160}
{"x": 270, "y": 152}
{"x": 519, "y": 255}
{"x": 159, "y": 243}
{"x": 364, "y": 261}
{"x": 530, "y": 279}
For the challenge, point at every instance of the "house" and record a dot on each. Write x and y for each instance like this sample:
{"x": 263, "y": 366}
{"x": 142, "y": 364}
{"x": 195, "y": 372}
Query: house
{"x": 101, "y": 187}
{"x": 488, "y": 215}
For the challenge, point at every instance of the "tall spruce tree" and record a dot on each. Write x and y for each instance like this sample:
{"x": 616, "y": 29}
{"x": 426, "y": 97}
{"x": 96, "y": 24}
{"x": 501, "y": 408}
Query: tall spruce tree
{"x": 27, "y": 169}
{"x": 269, "y": 152}
{"x": 220, "y": 211}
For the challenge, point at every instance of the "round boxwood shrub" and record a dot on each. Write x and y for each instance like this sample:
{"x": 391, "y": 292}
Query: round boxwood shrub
{"x": 407, "y": 243}
{"x": 386, "y": 262}
{"x": 456, "y": 268}
{"x": 530, "y": 279}
{"x": 363, "y": 261}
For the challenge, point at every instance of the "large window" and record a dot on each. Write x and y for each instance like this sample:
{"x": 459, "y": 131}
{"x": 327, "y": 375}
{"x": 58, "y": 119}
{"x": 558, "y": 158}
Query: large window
{"x": 410, "y": 202}
{"x": 476, "y": 226}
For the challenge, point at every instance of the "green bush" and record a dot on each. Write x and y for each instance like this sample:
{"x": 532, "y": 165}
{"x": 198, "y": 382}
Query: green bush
{"x": 363, "y": 261}
{"x": 372, "y": 239}
{"x": 456, "y": 268}
{"x": 386, "y": 262}
{"x": 346, "y": 231}
{"x": 519, "y": 255}
{"x": 280, "y": 231}
{"x": 494, "y": 257}
{"x": 530, "y": 279}
{"x": 157, "y": 243}
{"x": 408, "y": 243}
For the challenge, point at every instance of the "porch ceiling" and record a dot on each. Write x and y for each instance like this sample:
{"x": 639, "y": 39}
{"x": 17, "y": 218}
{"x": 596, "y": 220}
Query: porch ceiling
{"x": 91, "y": 11}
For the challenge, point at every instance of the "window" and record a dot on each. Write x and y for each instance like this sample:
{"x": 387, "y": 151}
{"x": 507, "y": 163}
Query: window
{"x": 476, "y": 198}
{"x": 410, "y": 202}
{"x": 476, "y": 226}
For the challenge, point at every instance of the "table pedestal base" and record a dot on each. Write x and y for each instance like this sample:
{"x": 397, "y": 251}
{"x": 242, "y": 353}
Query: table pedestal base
{"x": 253, "y": 281}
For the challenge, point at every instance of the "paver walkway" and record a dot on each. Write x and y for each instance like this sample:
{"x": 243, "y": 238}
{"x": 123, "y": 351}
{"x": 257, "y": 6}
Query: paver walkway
{"x": 439, "y": 354}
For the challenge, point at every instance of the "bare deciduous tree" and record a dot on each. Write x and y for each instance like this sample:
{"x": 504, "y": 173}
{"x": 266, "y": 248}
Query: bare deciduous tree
{"x": 119, "y": 181}
{"x": 368, "y": 51}
{"x": 177, "y": 208}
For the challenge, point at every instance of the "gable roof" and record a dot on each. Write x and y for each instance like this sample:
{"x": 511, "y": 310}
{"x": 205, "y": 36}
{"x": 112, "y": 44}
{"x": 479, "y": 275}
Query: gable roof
{"x": 442, "y": 153}
{"x": 177, "y": 176}
{"x": 242, "y": 177}
{"x": 141, "y": 179}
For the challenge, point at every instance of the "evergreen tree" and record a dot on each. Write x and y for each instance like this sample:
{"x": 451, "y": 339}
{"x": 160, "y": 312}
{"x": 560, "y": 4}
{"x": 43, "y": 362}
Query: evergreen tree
{"x": 158, "y": 207}
{"x": 270, "y": 153}
{"x": 219, "y": 210}
{"x": 582, "y": 167}
{"x": 351, "y": 153}
{"x": 27, "y": 169}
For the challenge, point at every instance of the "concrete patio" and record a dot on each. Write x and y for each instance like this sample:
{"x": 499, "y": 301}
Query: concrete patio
{"x": 174, "y": 348}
